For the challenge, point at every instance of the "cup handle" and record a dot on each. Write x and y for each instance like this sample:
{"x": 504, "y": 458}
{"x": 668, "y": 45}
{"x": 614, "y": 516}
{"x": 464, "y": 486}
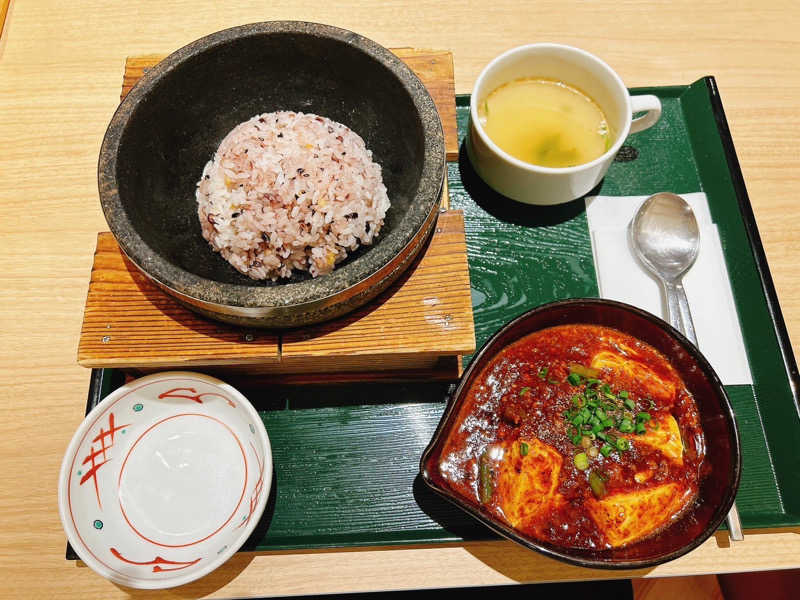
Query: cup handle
{"x": 648, "y": 104}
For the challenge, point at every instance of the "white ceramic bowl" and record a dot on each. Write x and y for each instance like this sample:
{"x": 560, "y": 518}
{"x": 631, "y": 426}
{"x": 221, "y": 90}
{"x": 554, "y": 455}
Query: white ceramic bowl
{"x": 165, "y": 479}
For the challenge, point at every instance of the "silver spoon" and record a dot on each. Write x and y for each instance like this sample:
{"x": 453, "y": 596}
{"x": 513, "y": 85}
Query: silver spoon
{"x": 665, "y": 237}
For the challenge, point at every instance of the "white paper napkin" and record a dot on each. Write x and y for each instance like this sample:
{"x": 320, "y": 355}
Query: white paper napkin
{"x": 621, "y": 277}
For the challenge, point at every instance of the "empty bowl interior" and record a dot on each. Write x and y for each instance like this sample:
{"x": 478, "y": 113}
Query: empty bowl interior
{"x": 180, "y": 121}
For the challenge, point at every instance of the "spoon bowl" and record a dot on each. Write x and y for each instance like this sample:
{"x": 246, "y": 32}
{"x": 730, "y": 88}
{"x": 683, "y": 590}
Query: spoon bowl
{"x": 665, "y": 235}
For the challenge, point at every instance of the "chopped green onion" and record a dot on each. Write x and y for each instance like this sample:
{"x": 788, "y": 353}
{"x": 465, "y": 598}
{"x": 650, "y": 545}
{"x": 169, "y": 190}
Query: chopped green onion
{"x": 543, "y": 373}
{"x": 524, "y": 391}
{"x": 523, "y": 449}
{"x": 485, "y": 485}
{"x": 598, "y": 483}
{"x": 553, "y": 381}
{"x": 599, "y": 412}
{"x": 581, "y": 461}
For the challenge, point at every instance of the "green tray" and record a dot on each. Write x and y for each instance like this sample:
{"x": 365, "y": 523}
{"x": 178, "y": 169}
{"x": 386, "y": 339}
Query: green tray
{"x": 346, "y": 457}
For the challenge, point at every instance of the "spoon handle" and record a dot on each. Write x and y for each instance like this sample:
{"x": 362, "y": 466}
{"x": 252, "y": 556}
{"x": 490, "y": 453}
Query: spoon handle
{"x": 680, "y": 317}
{"x": 734, "y": 524}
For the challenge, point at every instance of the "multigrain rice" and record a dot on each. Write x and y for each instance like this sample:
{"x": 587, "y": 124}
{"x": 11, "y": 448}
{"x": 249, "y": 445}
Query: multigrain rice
{"x": 288, "y": 190}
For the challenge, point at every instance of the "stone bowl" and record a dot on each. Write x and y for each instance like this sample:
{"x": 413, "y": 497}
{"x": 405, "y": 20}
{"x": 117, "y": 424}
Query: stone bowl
{"x": 172, "y": 121}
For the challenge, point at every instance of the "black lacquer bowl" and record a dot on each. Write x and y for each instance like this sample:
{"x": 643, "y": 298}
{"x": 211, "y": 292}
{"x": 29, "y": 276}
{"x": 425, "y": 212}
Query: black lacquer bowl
{"x": 173, "y": 120}
{"x": 717, "y": 489}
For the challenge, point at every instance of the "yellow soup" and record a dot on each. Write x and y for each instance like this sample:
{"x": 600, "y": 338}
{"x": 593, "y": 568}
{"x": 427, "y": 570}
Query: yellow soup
{"x": 546, "y": 123}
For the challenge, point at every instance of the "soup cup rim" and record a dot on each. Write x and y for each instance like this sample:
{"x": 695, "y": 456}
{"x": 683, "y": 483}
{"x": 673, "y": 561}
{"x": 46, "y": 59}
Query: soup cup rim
{"x": 530, "y": 167}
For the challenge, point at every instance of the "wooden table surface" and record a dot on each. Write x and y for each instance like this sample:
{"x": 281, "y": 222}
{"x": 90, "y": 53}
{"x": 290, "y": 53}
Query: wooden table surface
{"x": 60, "y": 72}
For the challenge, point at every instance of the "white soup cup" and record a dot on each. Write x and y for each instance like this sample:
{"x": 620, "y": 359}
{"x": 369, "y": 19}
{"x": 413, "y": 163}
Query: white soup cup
{"x": 534, "y": 184}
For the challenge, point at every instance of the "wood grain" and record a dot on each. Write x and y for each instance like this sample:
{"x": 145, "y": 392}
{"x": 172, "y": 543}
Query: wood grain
{"x": 401, "y": 370}
{"x": 428, "y": 315}
{"x": 425, "y": 315}
{"x": 433, "y": 67}
{"x": 60, "y": 63}
{"x": 3, "y": 14}
{"x": 129, "y": 322}
{"x": 481, "y": 563}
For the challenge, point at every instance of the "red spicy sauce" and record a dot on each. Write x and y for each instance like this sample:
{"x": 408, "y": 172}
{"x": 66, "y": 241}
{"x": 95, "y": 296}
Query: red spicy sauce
{"x": 513, "y": 449}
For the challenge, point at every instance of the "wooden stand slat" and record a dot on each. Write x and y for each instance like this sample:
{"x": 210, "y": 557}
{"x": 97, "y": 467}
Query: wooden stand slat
{"x": 429, "y": 315}
{"x": 420, "y": 325}
{"x": 433, "y": 67}
{"x": 129, "y": 322}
